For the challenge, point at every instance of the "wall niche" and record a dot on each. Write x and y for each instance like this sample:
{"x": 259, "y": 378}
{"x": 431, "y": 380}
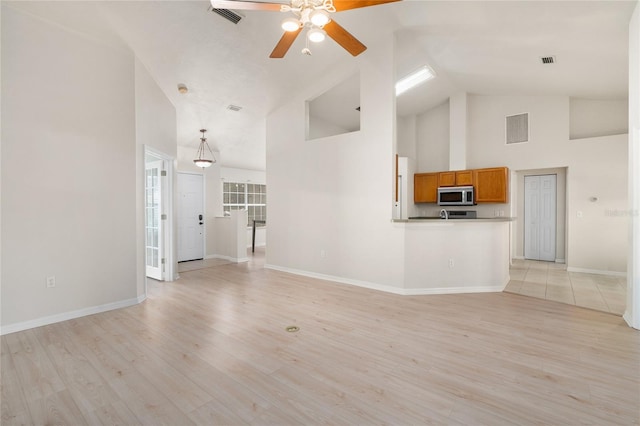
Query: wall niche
{"x": 336, "y": 111}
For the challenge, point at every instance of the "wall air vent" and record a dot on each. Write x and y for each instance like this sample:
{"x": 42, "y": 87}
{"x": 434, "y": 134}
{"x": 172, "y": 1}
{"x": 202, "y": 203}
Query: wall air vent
{"x": 548, "y": 59}
{"x": 517, "y": 128}
{"x": 227, "y": 14}
{"x": 234, "y": 108}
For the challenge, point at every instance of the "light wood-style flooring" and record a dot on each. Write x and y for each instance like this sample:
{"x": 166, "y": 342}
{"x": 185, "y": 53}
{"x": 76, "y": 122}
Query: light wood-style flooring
{"x": 212, "y": 349}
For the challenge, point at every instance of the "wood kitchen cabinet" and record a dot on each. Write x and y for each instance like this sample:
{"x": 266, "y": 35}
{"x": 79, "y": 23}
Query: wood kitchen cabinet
{"x": 491, "y": 185}
{"x": 425, "y": 187}
{"x": 456, "y": 178}
{"x": 464, "y": 178}
{"x": 447, "y": 179}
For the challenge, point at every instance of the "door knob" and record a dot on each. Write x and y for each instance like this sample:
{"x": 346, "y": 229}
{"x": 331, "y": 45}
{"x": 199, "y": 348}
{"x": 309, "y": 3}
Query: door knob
{"x": 201, "y": 223}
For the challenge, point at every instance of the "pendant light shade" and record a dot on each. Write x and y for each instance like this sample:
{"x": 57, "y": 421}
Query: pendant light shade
{"x": 316, "y": 35}
{"x": 319, "y": 17}
{"x": 290, "y": 24}
{"x": 200, "y": 160}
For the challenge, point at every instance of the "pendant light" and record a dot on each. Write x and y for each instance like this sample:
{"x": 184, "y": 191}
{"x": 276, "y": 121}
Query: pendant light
{"x": 200, "y": 160}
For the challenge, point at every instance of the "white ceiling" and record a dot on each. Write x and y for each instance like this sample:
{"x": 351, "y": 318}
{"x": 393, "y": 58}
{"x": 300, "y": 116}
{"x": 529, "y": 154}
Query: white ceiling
{"x": 481, "y": 47}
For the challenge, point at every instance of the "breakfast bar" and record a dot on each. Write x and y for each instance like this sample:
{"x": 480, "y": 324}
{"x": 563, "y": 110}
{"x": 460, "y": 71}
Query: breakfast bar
{"x": 455, "y": 255}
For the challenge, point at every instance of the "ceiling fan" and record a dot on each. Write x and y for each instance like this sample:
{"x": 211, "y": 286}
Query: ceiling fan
{"x": 313, "y": 15}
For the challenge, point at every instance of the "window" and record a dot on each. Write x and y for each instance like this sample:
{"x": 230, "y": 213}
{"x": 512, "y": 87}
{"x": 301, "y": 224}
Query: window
{"x": 251, "y": 197}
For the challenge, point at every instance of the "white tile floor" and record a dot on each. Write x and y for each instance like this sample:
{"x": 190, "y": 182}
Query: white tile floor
{"x": 193, "y": 265}
{"x": 551, "y": 281}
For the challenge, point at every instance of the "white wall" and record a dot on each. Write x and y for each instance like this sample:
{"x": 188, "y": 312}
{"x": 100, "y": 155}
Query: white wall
{"x": 232, "y": 174}
{"x": 230, "y": 242}
{"x": 321, "y": 128}
{"x": 406, "y": 137}
{"x": 596, "y": 167}
{"x": 330, "y": 199}
{"x": 592, "y": 118}
{"x": 68, "y": 173}
{"x": 155, "y": 128}
{"x": 433, "y": 139}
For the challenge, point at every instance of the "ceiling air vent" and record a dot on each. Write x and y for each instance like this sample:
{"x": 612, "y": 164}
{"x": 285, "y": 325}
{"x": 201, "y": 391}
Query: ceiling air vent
{"x": 227, "y": 14}
{"x": 517, "y": 128}
{"x": 548, "y": 59}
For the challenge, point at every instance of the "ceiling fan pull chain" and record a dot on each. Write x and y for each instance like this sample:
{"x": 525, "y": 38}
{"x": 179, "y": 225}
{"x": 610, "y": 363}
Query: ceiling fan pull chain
{"x": 306, "y": 49}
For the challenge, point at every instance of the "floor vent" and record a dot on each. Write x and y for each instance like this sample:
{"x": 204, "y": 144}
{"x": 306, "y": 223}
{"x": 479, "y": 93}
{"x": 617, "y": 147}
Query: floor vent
{"x": 548, "y": 59}
{"x": 517, "y": 128}
{"x": 227, "y": 14}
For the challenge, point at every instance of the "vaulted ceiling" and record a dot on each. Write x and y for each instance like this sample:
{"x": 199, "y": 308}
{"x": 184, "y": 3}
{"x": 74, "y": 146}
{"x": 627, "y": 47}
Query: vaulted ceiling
{"x": 481, "y": 47}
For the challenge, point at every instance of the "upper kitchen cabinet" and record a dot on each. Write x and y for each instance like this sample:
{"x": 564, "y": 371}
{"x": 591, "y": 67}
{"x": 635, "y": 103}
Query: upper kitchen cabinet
{"x": 491, "y": 185}
{"x": 464, "y": 178}
{"x": 425, "y": 187}
{"x": 447, "y": 179}
{"x": 457, "y": 178}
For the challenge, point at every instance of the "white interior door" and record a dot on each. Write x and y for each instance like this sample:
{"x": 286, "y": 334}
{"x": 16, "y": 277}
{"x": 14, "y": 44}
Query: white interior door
{"x": 153, "y": 220}
{"x": 190, "y": 217}
{"x": 540, "y": 217}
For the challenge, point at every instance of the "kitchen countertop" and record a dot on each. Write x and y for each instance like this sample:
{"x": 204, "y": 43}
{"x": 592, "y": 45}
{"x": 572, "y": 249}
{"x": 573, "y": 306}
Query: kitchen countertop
{"x": 437, "y": 219}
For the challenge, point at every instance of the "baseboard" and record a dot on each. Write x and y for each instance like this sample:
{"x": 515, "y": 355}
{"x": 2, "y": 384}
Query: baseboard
{"x": 229, "y": 258}
{"x": 39, "y": 322}
{"x": 627, "y": 318}
{"x": 523, "y": 258}
{"x": 257, "y": 245}
{"x": 390, "y": 289}
{"x": 596, "y": 271}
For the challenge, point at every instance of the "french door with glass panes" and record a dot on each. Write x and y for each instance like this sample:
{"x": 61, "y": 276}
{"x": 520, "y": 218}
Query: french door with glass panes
{"x": 153, "y": 219}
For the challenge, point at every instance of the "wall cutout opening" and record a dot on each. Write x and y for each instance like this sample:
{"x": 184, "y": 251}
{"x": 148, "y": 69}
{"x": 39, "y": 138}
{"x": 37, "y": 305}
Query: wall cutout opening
{"x": 336, "y": 111}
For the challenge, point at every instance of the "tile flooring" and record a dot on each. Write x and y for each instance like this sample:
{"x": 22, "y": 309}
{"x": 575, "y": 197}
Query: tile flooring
{"x": 551, "y": 281}
{"x": 193, "y": 265}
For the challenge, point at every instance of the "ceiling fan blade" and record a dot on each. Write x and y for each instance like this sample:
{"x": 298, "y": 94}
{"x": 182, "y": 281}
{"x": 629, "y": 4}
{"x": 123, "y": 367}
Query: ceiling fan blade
{"x": 354, "y": 4}
{"x": 245, "y": 5}
{"x": 344, "y": 38}
{"x": 284, "y": 44}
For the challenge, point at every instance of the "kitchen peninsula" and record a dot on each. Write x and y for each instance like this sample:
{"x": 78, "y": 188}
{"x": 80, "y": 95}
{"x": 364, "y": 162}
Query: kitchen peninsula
{"x": 455, "y": 255}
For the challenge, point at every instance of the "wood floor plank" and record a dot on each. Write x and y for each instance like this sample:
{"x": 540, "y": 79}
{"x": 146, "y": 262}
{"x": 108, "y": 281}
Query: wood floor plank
{"x": 87, "y": 387}
{"x": 13, "y": 404}
{"x": 211, "y": 349}
{"x": 38, "y": 376}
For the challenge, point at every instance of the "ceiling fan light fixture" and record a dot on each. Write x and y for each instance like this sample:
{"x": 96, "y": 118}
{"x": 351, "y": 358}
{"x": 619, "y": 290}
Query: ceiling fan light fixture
{"x": 319, "y": 17}
{"x": 316, "y": 35}
{"x": 290, "y": 24}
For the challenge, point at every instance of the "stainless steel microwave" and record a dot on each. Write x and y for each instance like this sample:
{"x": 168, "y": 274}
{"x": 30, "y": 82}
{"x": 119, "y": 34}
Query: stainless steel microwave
{"x": 456, "y": 196}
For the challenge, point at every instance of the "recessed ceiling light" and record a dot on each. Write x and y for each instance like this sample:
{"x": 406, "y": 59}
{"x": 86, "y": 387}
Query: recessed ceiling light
{"x": 412, "y": 80}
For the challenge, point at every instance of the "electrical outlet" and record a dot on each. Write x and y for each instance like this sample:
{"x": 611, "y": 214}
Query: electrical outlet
{"x": 579, "y": 213}
{"x": 51, "y": 282}
{"x": 451, "y": 263}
